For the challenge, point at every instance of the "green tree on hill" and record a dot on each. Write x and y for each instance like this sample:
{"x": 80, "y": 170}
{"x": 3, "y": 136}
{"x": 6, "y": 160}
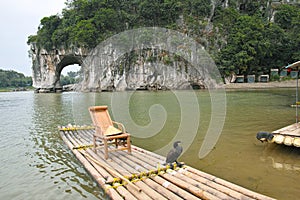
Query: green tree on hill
{"x": 10, "y": 78}
{"x": 239, "y": 36}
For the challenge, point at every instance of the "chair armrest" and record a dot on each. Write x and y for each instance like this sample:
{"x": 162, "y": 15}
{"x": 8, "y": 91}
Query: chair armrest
{"x": 120, "y": 126}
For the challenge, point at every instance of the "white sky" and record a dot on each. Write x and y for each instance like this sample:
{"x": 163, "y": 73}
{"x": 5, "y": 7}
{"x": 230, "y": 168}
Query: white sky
{"x": 18, "y": 20}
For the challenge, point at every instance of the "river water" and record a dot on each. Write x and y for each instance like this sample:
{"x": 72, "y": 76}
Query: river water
{"x": 36, "y": 164}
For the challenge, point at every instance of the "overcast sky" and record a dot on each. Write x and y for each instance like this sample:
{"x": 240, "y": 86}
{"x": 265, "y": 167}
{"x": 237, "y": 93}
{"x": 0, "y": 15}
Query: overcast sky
{"x": 18, "y": 20}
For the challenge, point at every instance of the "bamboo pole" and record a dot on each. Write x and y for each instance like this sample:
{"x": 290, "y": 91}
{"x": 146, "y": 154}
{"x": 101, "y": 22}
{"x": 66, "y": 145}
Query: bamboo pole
{"x": 183, "y": 184}
{"x": 146, "y": 160}
{"x": 100, "y": 180}
{"x": 134, "y": 163}
{"x": 87, "y": 135}
{"x": 212, "y": 184}
{"x": 193, "y": 183}
{"x": 131, "y": 187}
{"x": 149, "y": 191}
{"x": 125, "y": 193}
{"x": 109, "y": 169}
{"x": 232, "y": 186}
{"x": 138, "y": 195}
{"x": 123, "y": 163}
{"x": 192, "y": 189}
{"x": 122, "y": 191}
{"x": 73, "y": 128}
{"x": 102, "y": 171}
{"x": 182, "y": 194}
{"x": 153, "y": 182}
{"x": 221, "y": 188}
{"x": 161, "y": 190}
{"x": 151, "y": 154}
{"x": 112, "y": 171}
{"x": 100, "y": 156}
{"x": 165, "y": 183}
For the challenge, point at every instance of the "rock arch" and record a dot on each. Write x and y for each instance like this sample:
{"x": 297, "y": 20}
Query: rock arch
{"x": 47, "y": 65}
{"x": 164, "y": 59}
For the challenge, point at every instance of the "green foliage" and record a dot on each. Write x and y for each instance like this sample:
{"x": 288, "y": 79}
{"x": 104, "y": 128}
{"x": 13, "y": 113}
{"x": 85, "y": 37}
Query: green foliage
{"x": 70, "y": 78}
{"x": 88, "y": 22}
{"x": 10, "y": 78}
{"x": 241, "y": 36}
{"x": 84, "y": 33}
{"x": 254, "y": 45}
{"x": 286, "y": 16}
{"x": 275, "y": 78}
{"x": 46, "y": 29}
{"x": 246, "y": 45}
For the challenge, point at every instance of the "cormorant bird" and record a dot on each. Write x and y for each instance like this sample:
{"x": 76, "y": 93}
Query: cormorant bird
{"x": 264, "y": 136}
{"x": 174, "y": 153}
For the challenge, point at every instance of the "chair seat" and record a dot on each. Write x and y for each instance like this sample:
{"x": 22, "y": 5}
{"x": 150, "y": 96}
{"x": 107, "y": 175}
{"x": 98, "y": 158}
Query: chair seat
{"x": 111, "y": 130}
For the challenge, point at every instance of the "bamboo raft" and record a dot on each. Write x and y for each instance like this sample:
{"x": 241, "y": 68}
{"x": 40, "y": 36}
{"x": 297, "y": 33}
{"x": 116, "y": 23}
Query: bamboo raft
{"x": 289, "y": 135}
{"x": 141, "y": 175}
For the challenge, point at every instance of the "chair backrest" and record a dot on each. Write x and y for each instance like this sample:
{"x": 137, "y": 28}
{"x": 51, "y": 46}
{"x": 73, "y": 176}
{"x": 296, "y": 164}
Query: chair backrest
{"x": 101, "y": 118}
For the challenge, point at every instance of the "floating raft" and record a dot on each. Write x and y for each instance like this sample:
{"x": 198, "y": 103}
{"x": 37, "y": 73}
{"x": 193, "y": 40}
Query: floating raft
{"x": 140, "y": 175}
{"x": 289, "y": 135}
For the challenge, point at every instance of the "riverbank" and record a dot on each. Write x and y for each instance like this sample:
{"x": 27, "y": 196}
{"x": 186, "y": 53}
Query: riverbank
{"x": 14, "y": 89}
{"x": 256, "y": 85}
{"x": 260, "y": 85}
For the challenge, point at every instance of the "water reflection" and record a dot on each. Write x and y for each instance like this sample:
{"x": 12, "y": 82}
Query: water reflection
{"x": 282, "y": 157}
{"x": 50, "y": 155}
{"x": 36, "y": 164}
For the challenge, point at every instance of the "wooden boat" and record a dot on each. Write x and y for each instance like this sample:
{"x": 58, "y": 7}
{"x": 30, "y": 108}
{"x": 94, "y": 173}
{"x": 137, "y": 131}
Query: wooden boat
{"x": 141, "y": 174}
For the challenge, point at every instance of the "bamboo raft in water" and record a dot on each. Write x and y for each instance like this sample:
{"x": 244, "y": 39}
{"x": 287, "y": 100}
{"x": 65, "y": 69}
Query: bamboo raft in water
{"x": 289, "y": 135}
{"x": 141, "y": 175}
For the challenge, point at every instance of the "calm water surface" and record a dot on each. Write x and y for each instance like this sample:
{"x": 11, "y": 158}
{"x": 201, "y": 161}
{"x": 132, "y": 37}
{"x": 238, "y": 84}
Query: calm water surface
{"x": 36, "y": 164}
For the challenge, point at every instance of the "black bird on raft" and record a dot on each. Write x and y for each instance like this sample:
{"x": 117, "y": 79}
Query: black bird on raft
{"x": 174, "y": 154}
{"x": 264, "y": 136}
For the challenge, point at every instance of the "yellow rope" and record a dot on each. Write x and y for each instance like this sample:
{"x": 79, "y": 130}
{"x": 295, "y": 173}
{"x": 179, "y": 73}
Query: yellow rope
{"x": 74, "y": 128}
{"x": 142, "y": 176}
{"x": 82, "y": 147}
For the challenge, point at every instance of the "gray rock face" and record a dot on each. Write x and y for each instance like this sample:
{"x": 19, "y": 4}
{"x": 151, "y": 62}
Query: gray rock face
{"x": 139, "y": 74}
{"x": 128, "y": 61}
{"x": 47, "y": 66}
{"x": 113, "y": 67}
{"x": 146, "y": 76}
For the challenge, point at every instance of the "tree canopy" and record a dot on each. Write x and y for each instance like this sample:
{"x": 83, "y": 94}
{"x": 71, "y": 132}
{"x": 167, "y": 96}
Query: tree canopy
{"x": 243, "y": 36}
{"x": 10, "y": 78}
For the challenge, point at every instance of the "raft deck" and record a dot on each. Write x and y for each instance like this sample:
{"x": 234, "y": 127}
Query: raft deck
{"x": 289, "y": 135}
{"x": 141, "y": 175}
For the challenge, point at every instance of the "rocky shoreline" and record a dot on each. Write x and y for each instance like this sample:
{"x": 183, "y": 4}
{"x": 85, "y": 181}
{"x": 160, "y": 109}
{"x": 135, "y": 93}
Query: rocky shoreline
{"x": 261, "y": 85}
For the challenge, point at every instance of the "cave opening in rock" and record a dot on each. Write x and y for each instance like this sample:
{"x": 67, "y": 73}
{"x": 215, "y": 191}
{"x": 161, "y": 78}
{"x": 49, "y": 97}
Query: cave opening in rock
{"x": 69, "y": 72}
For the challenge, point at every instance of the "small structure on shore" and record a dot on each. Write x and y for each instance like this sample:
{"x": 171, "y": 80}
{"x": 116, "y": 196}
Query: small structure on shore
{"x": 290, "y": 135}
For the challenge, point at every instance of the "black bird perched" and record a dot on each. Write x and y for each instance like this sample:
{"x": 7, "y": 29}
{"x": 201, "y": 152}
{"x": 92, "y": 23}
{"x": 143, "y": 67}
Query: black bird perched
{"x": 174, "y": 153}
{"x": 264, "y": 136}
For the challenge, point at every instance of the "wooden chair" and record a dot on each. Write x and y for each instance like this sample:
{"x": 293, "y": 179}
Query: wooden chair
{"x": 108, "y": 130}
